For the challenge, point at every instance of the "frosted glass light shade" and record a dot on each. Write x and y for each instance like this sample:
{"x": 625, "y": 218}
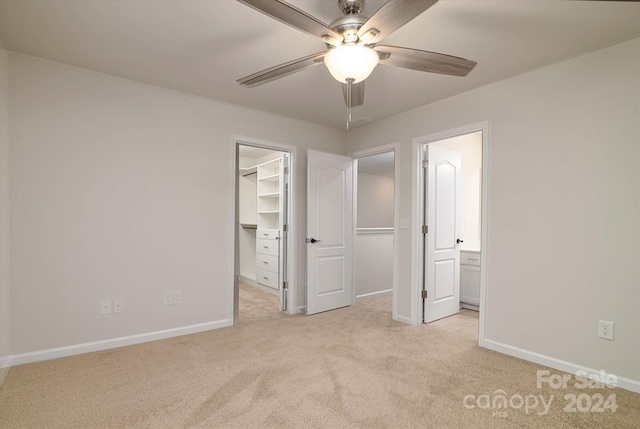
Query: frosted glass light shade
{"x": 351, "y": 61}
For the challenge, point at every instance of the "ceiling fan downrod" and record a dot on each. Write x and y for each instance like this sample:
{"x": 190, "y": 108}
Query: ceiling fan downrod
{"x": 350, "y": 81}
{"x": 351, "y": 7}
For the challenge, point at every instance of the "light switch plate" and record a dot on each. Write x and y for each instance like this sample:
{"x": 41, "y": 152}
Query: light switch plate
{"x": 177, "y": 297}
{"x": 167, "y": 298}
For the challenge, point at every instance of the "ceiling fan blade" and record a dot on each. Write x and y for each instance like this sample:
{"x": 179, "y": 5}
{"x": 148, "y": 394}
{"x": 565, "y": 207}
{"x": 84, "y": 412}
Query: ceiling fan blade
{"x": 357, "y": 94}
{"x": 296, "y": 18}
{"x": 391, "y": 16}
{"x": 425, "y": 61}
{"x": 281, "y": 70}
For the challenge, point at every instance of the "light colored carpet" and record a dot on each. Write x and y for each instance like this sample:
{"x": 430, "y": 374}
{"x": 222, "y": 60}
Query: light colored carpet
{"x": 257, "y": 305}
{"x": 348, "y": 368}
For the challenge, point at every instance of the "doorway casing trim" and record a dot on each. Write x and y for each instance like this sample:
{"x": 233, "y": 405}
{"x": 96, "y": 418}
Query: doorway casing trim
{"x": 395, "y": 148}
{"x": 417, "y": 203}
{"x": 293, "y": 219}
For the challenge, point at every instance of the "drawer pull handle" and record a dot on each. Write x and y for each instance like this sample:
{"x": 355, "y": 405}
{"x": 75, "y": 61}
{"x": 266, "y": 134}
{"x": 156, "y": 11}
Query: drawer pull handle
{"x": 266, "y": 278}
{"x": 266, "y": 234}
{"x": 265, "y": 262}
{"x": 266, "y": 247}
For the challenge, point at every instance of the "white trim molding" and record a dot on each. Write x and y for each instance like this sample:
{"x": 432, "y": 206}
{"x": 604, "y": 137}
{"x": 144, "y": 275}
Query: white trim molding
{"x": 374, "y": 294}
{"x": 247, "y": 281}
{"x": 367, "y": 231}
{"x": 417, "y": 210}
{"x": 94, "y": 346}
{"x": 561, "y": 365}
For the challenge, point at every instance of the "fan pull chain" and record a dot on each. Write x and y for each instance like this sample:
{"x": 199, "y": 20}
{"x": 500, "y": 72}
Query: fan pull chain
{"x": 350, "y": 81}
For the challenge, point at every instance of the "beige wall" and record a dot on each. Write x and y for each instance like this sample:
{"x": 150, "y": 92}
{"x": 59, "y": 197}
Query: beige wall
{"x": 374, "y": 252}
{"x": 5, "y": 310}
{"x": 563, "y": 204}
{"x": 375, "y": 201}
{"x": 374, "y": 263}
{"x": 122, "y": 190}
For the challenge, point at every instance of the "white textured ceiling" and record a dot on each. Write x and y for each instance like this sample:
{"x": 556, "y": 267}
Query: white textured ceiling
{"x": 202, "y": 47}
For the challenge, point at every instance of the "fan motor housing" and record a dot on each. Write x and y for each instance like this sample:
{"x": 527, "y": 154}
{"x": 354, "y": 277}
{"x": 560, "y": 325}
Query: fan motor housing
{"x": 348, "y": 26}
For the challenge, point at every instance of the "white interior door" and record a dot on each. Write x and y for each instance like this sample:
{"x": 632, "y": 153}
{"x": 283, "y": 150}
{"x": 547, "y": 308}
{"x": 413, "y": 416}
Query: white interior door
{"x": 329, "y": 232}
{"x": 442, "y": 244}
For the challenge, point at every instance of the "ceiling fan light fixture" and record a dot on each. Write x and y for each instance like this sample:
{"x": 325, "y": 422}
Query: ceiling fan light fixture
{"x": 351, "y": 62}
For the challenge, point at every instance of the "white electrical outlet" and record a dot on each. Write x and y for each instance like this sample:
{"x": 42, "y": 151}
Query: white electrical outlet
{"x": 167, "y": 298}
{"x": 105, "y": 306}
{"x": 177, "y": 297}
{"x": 605, "y": 330}
{"x": 118, "y": 305}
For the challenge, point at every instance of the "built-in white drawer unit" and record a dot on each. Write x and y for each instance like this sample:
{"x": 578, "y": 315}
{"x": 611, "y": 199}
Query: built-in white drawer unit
{"x": 470, "y": 278}
{"x": 267, "y": 247}
{"x": 469, "y": 258}
{"x": 267, "y": 262}
{"x": 270, "y": 234}
{"x": 266, "y": 277}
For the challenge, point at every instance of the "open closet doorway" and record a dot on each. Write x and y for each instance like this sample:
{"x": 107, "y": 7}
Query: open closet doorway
{"x": 263, "y": 199}
{"x": 375, "y": 192}
{"x": 376, "y": 208}
{"x": 453, "y": 230}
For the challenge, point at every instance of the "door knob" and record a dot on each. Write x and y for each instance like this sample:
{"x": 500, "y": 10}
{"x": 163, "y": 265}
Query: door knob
{"x": 459, "y": 241}
{"x": 313, "y": 240}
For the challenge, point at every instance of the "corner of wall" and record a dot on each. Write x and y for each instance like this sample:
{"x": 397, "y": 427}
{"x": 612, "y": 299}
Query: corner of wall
{"x": 5, "y": 328}
{"x": 3, "y": 374}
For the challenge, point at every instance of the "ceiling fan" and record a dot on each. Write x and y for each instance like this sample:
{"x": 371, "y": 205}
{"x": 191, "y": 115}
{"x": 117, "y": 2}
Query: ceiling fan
{"x": 352, "y": 41}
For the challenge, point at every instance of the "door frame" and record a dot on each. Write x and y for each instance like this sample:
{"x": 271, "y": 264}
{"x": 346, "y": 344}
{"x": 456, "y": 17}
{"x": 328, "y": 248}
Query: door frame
{"x": 395, "y": 148}
{"x": 234, "y": 269}
{"x": 417, "y": 210}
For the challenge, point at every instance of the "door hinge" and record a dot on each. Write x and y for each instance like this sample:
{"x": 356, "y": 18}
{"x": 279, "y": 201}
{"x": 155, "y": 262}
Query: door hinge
{"x": 424, "y": 294}
{"x": 425, "y": 163}
{"x": 285, "y": 296}
{"x": 286, "y": 170}
{"x": 425, "y": 229}
{"x": 284, "y": 227}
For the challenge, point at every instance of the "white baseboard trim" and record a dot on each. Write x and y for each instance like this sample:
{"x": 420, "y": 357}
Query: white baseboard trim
{"x": 469, "y": 306}
{"x": 247, "y": 280}
{"x": 561, "y": 365}
{"x": 267, "y": 289}
{"x": 403, "y": 319}
{"x": 374, "y": 294}
{"x": 255, "y": 284}
{"x": 76, "y": 349}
